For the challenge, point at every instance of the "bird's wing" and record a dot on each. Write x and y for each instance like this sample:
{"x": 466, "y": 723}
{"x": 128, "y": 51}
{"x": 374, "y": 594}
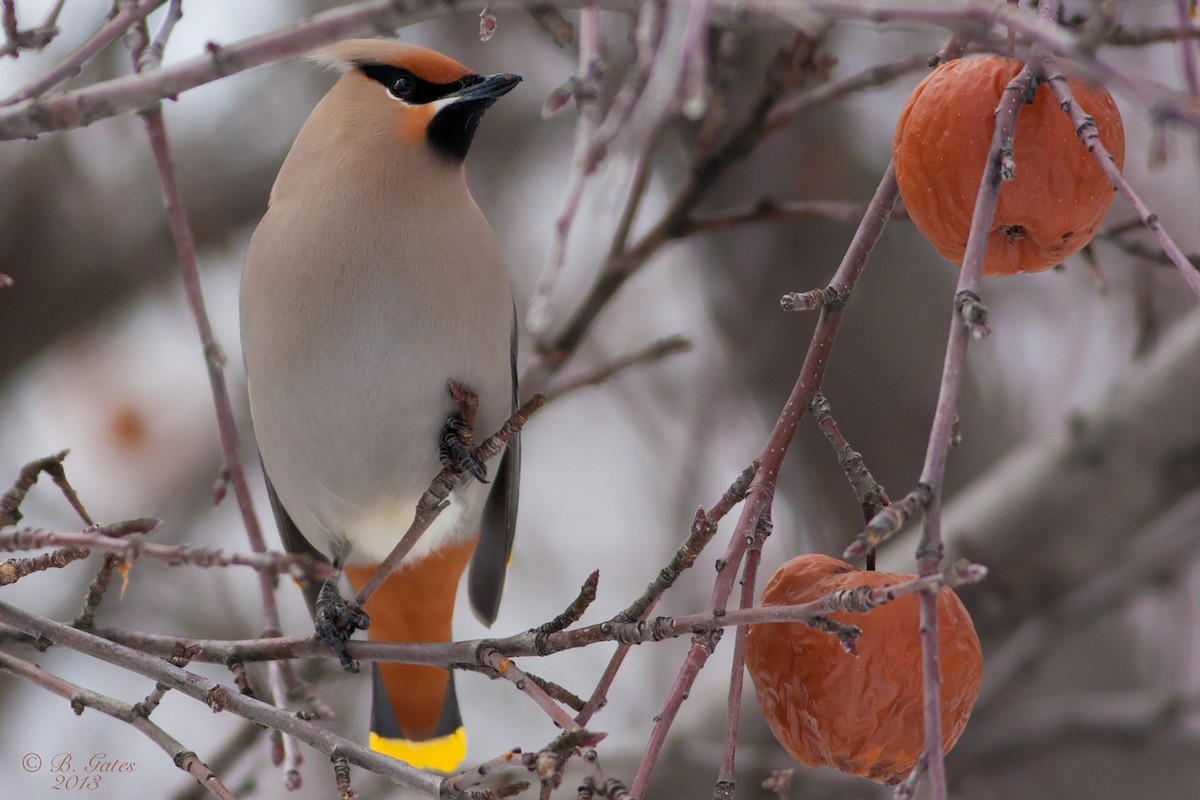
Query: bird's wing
{"x": 499, "y": 525}
{"x": 294, "y": 542}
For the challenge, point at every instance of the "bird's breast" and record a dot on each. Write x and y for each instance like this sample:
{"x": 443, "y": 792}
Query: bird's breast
{"x": 351, "y": 329}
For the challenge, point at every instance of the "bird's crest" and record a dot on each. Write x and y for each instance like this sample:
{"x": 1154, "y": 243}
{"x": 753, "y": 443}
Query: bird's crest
{"x": 424, "y": 63}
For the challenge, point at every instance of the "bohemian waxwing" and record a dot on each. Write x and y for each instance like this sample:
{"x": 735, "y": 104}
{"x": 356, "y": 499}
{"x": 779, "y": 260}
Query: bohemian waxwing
{"x": 372, "y": 281}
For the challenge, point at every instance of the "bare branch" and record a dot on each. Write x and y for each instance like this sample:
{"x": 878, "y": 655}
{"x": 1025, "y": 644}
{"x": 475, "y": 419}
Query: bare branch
{"x": 16, "y": 40}
{"x": 128, "y": 15}
{"x": 768, "y": 208}
{"x": 506, "y": 668}
{"x": 657, "y": 351}
{"x": 220, "y": 697}
{"x": 14, "y": 569}
{"x": 727, "y": 774}
{"x": 522, "y": 645}
{"x": 184, "y": 554}
{"x": 30, "y": 118}
{"x": 152, "y": 58}
{"x": 1090, "y": 136}
{"x": 10, "y": 501}
{"x": 585, "y": 89}
{"x": 82, "y": 698}
{"x": 573, "y": 612}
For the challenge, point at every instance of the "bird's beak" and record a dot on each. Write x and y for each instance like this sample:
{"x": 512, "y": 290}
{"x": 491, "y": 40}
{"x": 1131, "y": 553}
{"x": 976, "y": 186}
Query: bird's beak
{"x": 489, "y": 88}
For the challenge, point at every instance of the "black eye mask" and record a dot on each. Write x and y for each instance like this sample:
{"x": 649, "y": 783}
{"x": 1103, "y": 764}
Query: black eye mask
{"x": 404, "y": 85}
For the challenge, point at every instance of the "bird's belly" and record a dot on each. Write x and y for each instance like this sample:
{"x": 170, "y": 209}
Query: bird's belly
{"x": 349, "y": 434}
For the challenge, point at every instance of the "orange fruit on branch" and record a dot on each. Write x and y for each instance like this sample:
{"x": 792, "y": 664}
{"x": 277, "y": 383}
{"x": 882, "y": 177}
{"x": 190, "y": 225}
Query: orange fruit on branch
{"x": 861, "y": 714}
{"x": 1058, "y": 195}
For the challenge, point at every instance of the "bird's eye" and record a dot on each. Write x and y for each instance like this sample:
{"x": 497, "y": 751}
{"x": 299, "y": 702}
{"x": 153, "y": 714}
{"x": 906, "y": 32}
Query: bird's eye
{"x": 403, "y": 87}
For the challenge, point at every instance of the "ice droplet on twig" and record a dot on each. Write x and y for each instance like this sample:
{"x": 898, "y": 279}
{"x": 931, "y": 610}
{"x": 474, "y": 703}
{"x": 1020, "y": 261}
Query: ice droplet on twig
{"x": 487, "y": 23}
{"x": 539, "y": 315}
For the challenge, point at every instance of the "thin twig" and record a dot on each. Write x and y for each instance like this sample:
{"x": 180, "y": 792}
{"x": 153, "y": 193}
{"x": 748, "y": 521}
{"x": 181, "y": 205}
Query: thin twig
{"x": 341, "y": 775}
{"x": 14, "y": 569}
{"x": 704, "y": 527}
{"x": 871, "y": 78}
{"x": 1086, "y": 129}
{"x": 584, "y": 87}
{"x": 768, "y": 208}
{"x": 282, "y": 692}
{"x": 657, "y": 351}
{"x": 128, "y": 15}
{"x": 153, "y": 55}
{"x": 225, "y": 758}
{"x": 571, "y": 615}
{"x": 1191, "y": 71}
{"x": 214, "y": 359}
{"x": 726, "y": 776}
{"x": 595, "y": 781}
{"x": 647, "y": 36}
{"x": 52, "y": 465}
{"x": 1122, "y": 36}
{"x": 181, "y": 654}
{"x": 552, "y": 21}
{"x": 506, "y": 668}
{"x": 625, "y": 261}
{"x": 872, "y": 497}
{"x": 638, "y": 185}
{"x": 16, "y": 40}
{"x": 1116, "y": 236}
{"x": 887, "y": 522}
{"x": 694, "y": 88}
{"x": 905, "y": 791}
{"x": 457, "y": 784}
{"x": 10, "y": 514}
{"x": 130, "y": 550}
{"x": 558, "y": 692}
{"x": 97, "y": 589}
{"x": 112, "y": 561}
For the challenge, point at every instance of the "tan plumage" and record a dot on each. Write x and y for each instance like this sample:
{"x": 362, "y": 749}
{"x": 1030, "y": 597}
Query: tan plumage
{"x": 371, "y": 281}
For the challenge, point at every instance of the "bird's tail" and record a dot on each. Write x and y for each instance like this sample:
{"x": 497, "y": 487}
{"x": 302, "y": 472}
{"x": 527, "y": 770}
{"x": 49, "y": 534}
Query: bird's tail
{"x": 414, "y": 710}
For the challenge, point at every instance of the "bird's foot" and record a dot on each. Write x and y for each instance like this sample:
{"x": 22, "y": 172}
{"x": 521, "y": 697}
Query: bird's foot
{"x": 337, "y": 619}
{"x": 457, "y": 448}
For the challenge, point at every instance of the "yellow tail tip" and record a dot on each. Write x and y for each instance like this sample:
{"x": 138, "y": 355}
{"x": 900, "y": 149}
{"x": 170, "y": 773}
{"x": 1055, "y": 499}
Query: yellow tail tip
{"x": 442, "y": 754}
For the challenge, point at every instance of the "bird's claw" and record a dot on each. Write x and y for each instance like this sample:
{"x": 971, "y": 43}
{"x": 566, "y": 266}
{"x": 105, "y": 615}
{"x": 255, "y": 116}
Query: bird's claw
{"x": 456, "y": 451}
{"x": 337, "y": 619}
{"x": 457, "y": 448}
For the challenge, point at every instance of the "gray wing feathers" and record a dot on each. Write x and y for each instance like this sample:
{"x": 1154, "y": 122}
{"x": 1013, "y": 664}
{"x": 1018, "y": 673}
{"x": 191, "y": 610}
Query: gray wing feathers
{"x": 294, "y": 542}
{"x": 485, "y": 584}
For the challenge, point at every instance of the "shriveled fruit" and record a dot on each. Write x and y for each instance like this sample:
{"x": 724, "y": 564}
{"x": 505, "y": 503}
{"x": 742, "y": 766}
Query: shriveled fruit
{"x": 861, "y": 714}
{"x": 1058, "y": 195}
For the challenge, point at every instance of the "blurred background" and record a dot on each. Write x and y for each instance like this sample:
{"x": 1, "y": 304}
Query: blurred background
{"x": 1077, "y": 483}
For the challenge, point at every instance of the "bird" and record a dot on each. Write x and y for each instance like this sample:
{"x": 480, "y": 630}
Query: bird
{"x": 372, "y": 284}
